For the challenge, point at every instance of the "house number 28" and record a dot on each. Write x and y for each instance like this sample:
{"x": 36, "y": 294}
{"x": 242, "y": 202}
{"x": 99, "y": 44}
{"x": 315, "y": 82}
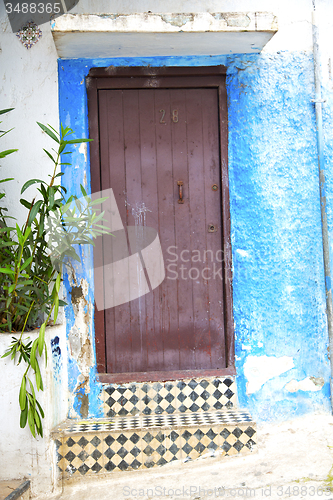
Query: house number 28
{"x": 174, "y": 116}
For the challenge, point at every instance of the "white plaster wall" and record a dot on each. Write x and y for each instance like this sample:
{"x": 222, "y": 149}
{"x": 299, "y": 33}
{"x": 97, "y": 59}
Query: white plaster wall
{"x": 28, "y": 83}
{"x": 294, "y": 15}
{"x": 29, "y": 76}
{"x": 20, "y": 454}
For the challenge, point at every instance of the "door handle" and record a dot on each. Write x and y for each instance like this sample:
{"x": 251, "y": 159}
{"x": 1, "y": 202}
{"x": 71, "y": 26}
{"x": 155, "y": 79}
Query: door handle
{"x": 180, "y": 191}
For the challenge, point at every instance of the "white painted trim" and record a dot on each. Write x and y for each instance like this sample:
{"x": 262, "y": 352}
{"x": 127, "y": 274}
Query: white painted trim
{"x": 145, "y": 34}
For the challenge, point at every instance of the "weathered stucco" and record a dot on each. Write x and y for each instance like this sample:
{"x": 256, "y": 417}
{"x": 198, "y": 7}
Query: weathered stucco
{"x": 278, "y": 286}
{"x": 279, "y": 307}
{"x": 22, "y": 456}
{"x": 279, "y": 303}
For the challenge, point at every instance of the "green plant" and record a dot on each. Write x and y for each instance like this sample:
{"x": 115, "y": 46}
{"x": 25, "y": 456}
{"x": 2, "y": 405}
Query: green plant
{"x": 31, "y": 262}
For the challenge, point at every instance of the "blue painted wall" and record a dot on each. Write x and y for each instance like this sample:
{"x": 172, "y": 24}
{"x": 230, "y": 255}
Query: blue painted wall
{"x": 279, "y": 301}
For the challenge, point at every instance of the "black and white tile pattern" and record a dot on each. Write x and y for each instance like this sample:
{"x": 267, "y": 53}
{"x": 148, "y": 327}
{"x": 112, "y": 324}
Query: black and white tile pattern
{"x": 226, "y": 417}
{"x": 184, "y": 396}
{"x": 152, "y": 424}
{"x": 145, "y": 441}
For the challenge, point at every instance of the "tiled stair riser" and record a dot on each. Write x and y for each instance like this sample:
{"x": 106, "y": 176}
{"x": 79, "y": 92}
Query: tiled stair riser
{"x": 143, "y": 442}
{"x": 208, "y": 394}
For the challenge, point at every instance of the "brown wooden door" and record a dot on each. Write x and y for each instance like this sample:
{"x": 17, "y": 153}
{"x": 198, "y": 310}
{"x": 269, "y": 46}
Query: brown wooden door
{"x": 150, "y": 141}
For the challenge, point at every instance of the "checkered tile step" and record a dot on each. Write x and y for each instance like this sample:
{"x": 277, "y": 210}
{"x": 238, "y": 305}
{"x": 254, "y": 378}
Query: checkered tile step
{"x": 129, "y": 443}
{"x": 182, "y": 396}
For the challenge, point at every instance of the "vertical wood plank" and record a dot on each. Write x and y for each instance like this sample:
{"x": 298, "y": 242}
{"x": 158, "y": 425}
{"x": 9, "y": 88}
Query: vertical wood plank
{"x": 214, "y": 262}
{"x": 135, "y": 217}
{"x": 167, "y": 310}
{"x": 201, "y": 340}
{"x": 118, "y": 318}
{"x": 149, "y": 185}
{"x": 182, "y": 251}
{"x": 94, "y": 126}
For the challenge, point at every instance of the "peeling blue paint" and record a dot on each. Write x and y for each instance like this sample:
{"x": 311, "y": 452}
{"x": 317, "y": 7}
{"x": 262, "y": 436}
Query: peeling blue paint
{"x": 278, "y": 278}
{"x": 56, "y": 357}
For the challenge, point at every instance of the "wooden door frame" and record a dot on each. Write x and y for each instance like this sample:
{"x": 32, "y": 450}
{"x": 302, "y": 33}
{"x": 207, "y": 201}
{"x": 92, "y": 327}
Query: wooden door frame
{"x": 165, "y": 77}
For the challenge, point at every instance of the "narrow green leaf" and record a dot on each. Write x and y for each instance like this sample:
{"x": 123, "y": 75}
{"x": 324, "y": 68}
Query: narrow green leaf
{"x": 57, "y": 283}
{"x": 41, "y": 338}
{"x": 7, "y": 152}
{"x": 19, "y": 234}
{"x": 7, "y": 353}
{"x": 49, "y": 155}
{"x": 100, "y": 200}
{"x": 54, "y": 130}
{"x": 2, "y": 111}
{"x": 8, "y": 243}
{"x": 6, "y": 180}
{"x": 33, "y": 354}
{"x": 26, "y": 233}
{"x": 32, "y": 389}
{"x": 83, "y": 191}
{"x": 31, "y": 422}
{"x": 31, "y": 399}
{"x": 7, "y": 271}
{"x": 45, "y": 354}
{"x": 78, "y": 141}
{"x": 48, "y": 132}
{"x": 34, "y": 211}
{"x": 40, "y": 409}
{"x": 26, "y": 263}
{"x": 39, "y": 380}
{"x": 23, "y": 394}
{"x": 38, "y": 377}
{"x": 56, "y": 307}
{"x": 30, "y": 182}
{"x": 38, "y": 423}
{"x": 25, "y": 203}
{"x": 23, "y": 417}
{"x": 51, "y": 197}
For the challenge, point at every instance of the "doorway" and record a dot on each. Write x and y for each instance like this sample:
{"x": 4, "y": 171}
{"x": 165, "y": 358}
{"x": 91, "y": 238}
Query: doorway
{"x": 160, "y": 143}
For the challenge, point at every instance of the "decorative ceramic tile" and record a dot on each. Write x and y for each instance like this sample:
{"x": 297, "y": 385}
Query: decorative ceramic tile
{"x": 196, "y": 442}
{"x": 160, "y": 447}
{"x": 206, "y": 394}
{"x": 29, "y": 34}
{"x": 159, "y": 398}
{"x": 152, "y": 424}
{"x": 123, "y": 451}
{"x": 122, "y": 400}
{"x": 145, "y": 441}
{"x": 153, "y": 448}
{"x": 184, "y": 396}
{"x": 237, "y": 440}
{"x": 81, "y": 454}
{"x": 225, "y": 417}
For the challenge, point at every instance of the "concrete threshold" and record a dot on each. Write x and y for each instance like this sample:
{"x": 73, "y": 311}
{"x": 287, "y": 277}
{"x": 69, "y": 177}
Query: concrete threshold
{"x": 294, "y": 460}
{"x": 15, "y": 489}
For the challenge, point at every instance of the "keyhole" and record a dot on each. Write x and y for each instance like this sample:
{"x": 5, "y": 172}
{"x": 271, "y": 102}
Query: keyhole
{"x": 212, "y": 228}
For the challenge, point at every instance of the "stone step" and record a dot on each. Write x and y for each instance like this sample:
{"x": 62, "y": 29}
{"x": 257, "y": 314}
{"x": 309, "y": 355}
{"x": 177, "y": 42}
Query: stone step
{"x": 15, "y": 489}
{"x": 178, "y": 396}
{"x": 128, "y": 443}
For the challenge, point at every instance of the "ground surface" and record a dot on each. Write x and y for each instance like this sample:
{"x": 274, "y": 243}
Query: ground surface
{"x": 294, "y": 460}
